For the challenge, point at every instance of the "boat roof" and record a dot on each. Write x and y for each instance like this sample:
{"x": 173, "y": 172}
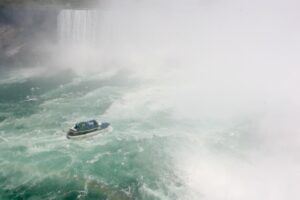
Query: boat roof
{"x": 89, "y": 121}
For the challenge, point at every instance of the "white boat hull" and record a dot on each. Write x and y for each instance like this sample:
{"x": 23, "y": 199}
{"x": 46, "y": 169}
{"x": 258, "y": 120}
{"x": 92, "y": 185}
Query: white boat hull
{"x": 90, "y": 134}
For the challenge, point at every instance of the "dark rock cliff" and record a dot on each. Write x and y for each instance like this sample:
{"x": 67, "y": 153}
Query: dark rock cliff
{"x": 28, "y": 29}
{"x": 64, "y": 3}
{"x": 26, "y": 33}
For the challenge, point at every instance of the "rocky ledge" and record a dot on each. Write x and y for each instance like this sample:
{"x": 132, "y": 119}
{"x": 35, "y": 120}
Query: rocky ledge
{"x": 65, "y": 3}
{"x": 26, "y": 33}
{"x": 28, "y": 28}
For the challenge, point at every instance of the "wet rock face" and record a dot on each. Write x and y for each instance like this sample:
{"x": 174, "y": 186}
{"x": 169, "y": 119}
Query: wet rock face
{"x": 25, "y": 33}
{"x": 8, "y": 34}
{"x": 62, "y": 3}
{"x": 28, "y": 29}
{"x": 9, "y": 44}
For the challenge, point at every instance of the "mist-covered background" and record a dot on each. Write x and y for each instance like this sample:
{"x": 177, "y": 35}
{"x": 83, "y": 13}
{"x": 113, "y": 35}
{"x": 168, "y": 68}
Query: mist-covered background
{"x": 203, "y": 97}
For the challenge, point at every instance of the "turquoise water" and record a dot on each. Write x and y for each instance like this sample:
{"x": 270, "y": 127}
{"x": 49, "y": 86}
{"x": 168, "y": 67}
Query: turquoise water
{"x": 146, "y": 155}
{"x": 38, "y": 162}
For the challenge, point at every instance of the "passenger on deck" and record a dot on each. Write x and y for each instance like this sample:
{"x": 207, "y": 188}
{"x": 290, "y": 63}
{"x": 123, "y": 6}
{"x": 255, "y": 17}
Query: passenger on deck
{"x": 95, "y": 123}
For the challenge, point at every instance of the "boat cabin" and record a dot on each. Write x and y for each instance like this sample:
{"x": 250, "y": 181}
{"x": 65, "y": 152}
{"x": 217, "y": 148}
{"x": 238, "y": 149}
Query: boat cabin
{"x": 81, "y": 126}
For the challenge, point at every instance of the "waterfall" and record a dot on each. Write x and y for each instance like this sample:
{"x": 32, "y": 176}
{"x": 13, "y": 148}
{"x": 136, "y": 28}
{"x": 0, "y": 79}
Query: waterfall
{"x": 77, "y": 26}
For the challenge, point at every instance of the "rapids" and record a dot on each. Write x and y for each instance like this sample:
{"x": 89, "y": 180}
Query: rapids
{"x": 203, "y": 98}
{"x": 37, "y": 161}
{"x": 154, "y": 151}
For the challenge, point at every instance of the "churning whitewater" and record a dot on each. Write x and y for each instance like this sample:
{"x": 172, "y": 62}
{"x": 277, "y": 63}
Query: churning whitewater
{"x": 203, "y": 105}
{"x": 38, "y": 161}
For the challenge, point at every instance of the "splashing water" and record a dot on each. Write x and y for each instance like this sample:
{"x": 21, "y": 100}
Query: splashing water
{"x": 77, "y": 26}
{"x": 182, "y": 129}
{"x": 153, "y": 152}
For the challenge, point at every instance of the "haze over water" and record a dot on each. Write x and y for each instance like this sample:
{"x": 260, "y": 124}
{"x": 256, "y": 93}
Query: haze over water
{"x": 203, "y": 98}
